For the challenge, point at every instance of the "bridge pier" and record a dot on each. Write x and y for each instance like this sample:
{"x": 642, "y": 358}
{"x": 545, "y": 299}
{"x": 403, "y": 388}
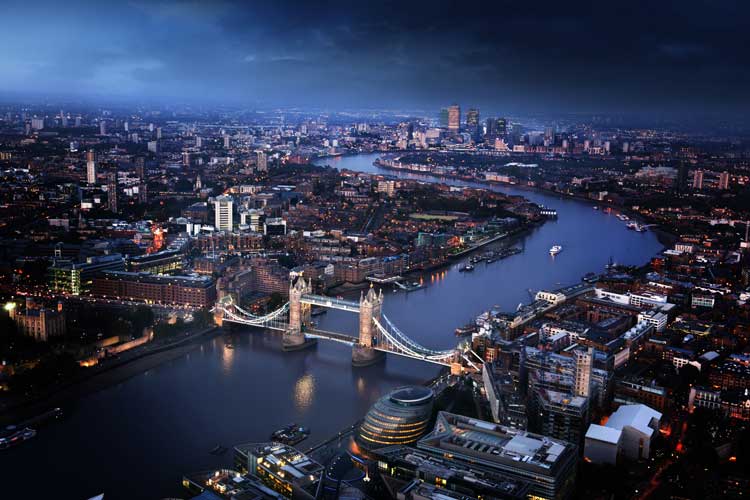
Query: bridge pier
{"x": 370, "y": 307}
{"x": 365, "y": 356}
{"x": 299, "y": 317}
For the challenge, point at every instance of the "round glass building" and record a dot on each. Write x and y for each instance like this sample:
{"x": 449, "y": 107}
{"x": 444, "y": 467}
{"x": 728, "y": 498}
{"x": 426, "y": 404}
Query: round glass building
{"x": 400, "y": 417}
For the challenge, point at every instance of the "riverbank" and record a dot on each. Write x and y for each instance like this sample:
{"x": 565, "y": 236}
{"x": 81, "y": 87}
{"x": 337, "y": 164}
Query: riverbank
{"x": 666, "y": 238}
{"x": 108, "y": 375}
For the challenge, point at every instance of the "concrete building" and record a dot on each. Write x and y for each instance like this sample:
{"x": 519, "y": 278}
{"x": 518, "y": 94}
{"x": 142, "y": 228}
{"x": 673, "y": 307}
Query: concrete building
{"x": 628, "y": 433}
{"x": 90, "y": 167}
{"x": 223, "y": 213}
{"x": 547, "y": 465}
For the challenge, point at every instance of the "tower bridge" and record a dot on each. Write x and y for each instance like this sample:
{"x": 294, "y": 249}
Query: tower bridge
{"x": 377, "y": 334}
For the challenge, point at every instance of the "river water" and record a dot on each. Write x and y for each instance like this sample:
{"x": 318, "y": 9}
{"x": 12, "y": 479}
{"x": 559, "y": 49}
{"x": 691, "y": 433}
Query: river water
{"x": 137, "y": 438}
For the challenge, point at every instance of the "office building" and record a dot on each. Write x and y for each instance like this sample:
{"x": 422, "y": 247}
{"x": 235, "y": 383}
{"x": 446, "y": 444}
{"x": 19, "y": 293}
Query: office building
{"x": 421, "y": 469}
{"x": 76, "y": 278}
{"x": 443, "y": 120}
{"x": 90, "y": 167}
{"x": 223, "y": 213}
{"x": 472, "y": 123}
{"x": 164, "y": 262}
{"x": 399, "y": 417}
{"x": 274, "y": 226}
{"x": 547, "y": 465}
{"x": 628, "y": 433}
{"x": 454, "y": 118}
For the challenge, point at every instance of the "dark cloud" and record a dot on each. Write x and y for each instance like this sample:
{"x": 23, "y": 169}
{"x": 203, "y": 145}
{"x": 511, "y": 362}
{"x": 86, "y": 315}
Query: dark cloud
{"x": 517, "y": 56}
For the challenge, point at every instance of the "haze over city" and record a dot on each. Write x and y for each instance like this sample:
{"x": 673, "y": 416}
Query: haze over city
{"x": 651, "y": 57}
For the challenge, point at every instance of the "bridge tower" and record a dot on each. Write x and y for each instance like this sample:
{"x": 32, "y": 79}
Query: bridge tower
{"x": 299, "y": 316}
{"x": 370, "y": 307}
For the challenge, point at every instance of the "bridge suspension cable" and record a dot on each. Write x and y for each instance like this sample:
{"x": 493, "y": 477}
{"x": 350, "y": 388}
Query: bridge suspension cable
{"x": 402, "y": 342}
{"x": 248, "y": 318}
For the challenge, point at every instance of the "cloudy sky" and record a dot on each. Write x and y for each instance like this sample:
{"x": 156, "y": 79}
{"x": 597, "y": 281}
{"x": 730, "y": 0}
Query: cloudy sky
{"x": 547, "y": 55}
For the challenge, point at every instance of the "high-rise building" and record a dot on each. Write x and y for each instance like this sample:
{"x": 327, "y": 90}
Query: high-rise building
{"x": 158, "y": 132}
{"x": 112, "y": 192}
{"x": 724, "y": 180}
{"x": 501, "y": 127}
{"x": 682, "y": 178}
{"x": 37, "y": 123}
{"x": 584, "y": 363}
{"x": 472, "y": 122}
{"x": 454, "y": 118}
{"x": 140, "y": 168}
{"x": 91, "y": 167}
{"x": 63, "y": 119}
{"x": 227, "y": 141}
{"x": 443, "y": 122}
{"x": 223, "y": 207}
{"x": 126, "y": 126}
{"x": 698, "y": 179}
{"x": 78, "y": 121}
{"x": 153, "y": 146}
{"x": 198, "y": 141}
{"x": 262, "y": 161}
{"x": 103, "y": 127}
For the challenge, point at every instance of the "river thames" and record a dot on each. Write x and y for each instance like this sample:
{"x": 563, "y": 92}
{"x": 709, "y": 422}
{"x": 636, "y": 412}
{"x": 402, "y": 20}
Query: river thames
{"x": 137, "y": 438}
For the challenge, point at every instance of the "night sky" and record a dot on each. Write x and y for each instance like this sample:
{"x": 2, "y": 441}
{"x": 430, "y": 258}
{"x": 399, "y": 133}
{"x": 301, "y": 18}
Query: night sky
{"x": 556, "y": 56}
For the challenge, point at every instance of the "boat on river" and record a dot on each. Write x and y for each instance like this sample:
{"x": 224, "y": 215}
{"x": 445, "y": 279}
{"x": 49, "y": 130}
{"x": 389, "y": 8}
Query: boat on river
{"x": 556, "y": 249}
{"x": 291, "y": 434}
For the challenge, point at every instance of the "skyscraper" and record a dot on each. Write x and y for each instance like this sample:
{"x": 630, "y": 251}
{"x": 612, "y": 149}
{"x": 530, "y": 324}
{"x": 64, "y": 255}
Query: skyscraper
{"x": 103, "y": 127}
{"x": 472, "y": 122}
{"x": 223, "y": 206}
{"x": 443, "y": 123}
{"x": 698, "y": 179}
{"x": 501, "y": 127}
{"x": 112, "y": 192}
{"x": 227, "y": 142}
{"x": 454, "y": 118}
{"x": 91, "y": 167}
{"x": 724, "y": 180}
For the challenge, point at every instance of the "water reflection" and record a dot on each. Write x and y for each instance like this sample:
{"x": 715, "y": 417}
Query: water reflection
{"x": 227, "y": 358}
{"x": 304, "y": 392}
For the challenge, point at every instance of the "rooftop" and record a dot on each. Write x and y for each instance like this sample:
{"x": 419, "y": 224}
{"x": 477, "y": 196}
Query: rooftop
{"x": 496, "y": 444}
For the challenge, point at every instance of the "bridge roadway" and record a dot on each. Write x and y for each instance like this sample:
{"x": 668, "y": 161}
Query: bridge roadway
{"x": 330, "y": 302}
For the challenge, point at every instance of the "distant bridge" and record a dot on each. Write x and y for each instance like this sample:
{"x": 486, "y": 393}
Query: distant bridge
{"x": 377, "y": 334}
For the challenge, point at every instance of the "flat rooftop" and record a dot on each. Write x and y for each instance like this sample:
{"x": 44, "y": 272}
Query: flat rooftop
{"x": 496, "y": 444}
